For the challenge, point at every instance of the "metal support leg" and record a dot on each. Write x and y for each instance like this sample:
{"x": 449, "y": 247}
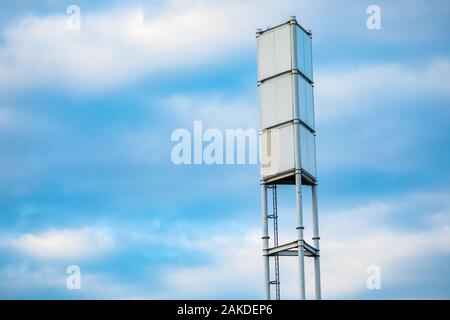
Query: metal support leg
{"x": 301, "y": 257}
{"x": 265, "y": 242}
{"x": 316, "y": 238}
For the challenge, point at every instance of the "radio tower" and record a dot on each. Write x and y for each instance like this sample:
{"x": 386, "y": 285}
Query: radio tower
{"x": 287, "y": 136}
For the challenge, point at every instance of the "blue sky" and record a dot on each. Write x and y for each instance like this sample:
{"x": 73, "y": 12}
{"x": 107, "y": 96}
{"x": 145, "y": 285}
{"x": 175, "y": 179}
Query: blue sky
{"x": 86, "y": 176}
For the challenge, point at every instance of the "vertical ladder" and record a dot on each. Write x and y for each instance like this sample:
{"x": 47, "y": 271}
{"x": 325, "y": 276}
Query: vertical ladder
{"x": 274, "y": 216}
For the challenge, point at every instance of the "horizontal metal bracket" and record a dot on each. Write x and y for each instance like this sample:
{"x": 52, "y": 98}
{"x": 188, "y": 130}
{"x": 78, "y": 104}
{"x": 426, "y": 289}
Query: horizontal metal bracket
{"x": 291, "y": 249}
{"x": 288, "y": 177}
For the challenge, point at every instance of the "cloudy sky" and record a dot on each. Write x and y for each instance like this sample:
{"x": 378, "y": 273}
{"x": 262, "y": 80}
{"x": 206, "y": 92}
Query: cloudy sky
{"x": 86, "y": 176}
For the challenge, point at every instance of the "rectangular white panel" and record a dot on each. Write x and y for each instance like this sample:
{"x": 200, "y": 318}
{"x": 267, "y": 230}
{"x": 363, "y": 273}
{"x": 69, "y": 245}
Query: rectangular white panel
{"x": 304, "y": 53}
{"x": 276, "y": 101}
{"x": 305, "y": 101}
{"x": 274, "y": 52}
{"x": 277, "y": 149}
{"x": 286, "y": 148}
{"x": 308, "y": 151}
{"x": 312, "y": 154}
{"x": 310, "y": 118}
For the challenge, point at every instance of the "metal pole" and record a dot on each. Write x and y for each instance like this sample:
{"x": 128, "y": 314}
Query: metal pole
{"x": 301, "y": 257}
{"x": 316, "y": 238}
{"x": 298, "y": 175}
{"x": 265, "y": 241}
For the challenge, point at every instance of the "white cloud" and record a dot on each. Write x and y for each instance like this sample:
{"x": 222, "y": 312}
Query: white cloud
{"x": 215, "y": 110}
{"x": 368, "y": 234}
{"x": 17, "y": 279}
{"x": 352, "y": 239}
{"x": 118, "y": 45}
{"x": 344, "y": 92}
{"x": 367, "y": 115}
{"x": 234, "y": 270}
{"x": 121, "y": 44}
{"x": 31, "y": 281}
{"x": 70, "y": 244}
